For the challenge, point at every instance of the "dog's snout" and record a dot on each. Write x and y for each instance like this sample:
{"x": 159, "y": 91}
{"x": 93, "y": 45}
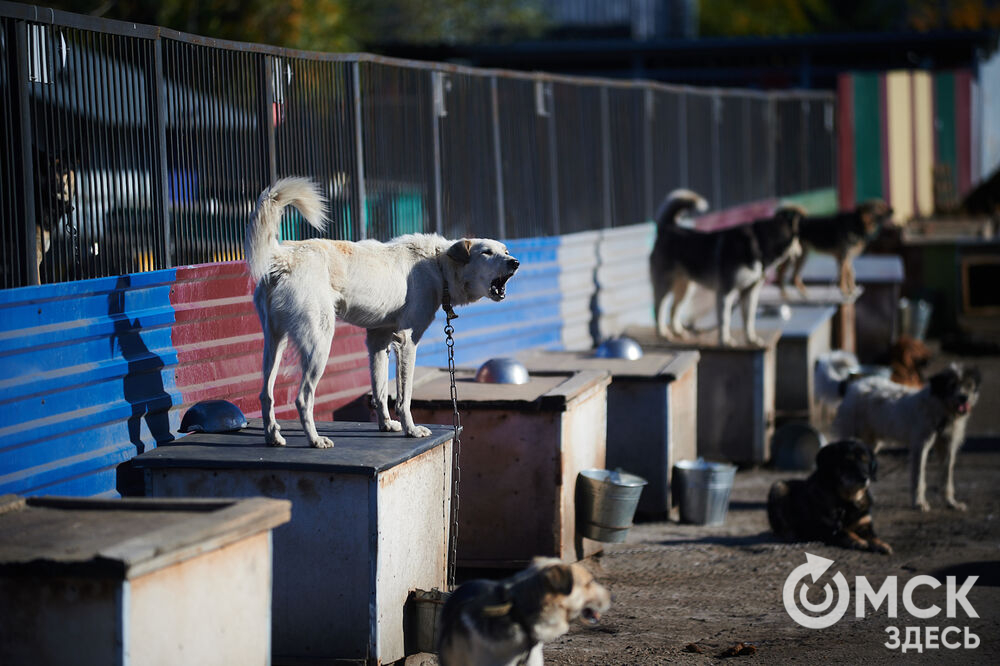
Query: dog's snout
{"x": 514, "y": 263}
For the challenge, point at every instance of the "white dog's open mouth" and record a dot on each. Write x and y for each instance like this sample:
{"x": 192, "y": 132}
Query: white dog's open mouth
{"x": 590, "y": 616}
{"x": 498, "y": 288}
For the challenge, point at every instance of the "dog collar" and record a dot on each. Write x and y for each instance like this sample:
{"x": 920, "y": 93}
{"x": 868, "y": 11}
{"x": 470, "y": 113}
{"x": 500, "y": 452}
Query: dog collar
{"x": 449, "y": 313}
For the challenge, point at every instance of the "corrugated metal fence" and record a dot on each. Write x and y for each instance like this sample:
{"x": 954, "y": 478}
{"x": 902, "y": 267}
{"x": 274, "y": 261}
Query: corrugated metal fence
{"x": 130, "y": 148}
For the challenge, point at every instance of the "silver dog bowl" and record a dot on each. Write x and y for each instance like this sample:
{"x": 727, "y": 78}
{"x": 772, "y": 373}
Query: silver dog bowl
{"x": 502, "y": 371}
{"x": 622, "y": 347}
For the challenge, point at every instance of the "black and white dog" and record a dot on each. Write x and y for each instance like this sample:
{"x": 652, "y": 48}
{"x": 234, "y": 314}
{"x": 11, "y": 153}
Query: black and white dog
{"x": 877, "y": 410}
{"x": 732, "y": 262}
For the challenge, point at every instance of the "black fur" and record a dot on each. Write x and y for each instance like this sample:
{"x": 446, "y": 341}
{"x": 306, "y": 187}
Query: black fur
{"x": 833, "y": 504}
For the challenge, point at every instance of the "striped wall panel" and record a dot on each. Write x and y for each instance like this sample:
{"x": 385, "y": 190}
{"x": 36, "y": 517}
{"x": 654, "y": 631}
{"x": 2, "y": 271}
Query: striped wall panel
{"x": 624, "y": 295}
{"x": 86, "y": 381}
{"x": 895, "y": 128}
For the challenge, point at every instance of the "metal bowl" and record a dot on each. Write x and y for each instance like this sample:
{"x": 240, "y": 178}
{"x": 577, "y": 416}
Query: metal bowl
{"x": 795, "y": 445}
{"x": 502, "y": 371}
{"x": 622, "y": 347}
{"x": 213, "y": 416}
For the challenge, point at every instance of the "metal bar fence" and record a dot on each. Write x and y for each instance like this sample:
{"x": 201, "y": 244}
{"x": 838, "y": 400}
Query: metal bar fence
{"x": 132, "y": 148}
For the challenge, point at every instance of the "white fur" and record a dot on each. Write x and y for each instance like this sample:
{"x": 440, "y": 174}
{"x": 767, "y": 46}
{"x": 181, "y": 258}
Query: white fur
{"x": 832, "y": 368}
{"x": 392, "y": 289}
{"x": 879, "y": 411}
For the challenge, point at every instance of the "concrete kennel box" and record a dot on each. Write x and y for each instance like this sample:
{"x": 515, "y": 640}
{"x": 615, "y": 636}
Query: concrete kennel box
{"x": 652, "y": 413}
{"x": 735, "y": 392}
{"x": 136, "y": 581}
{"x": 522, "y": 448}
{"x": 369, "y": 525}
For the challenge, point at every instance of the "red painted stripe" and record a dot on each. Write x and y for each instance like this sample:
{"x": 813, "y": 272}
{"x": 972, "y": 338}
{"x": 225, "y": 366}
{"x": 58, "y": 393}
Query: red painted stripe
{"x": 733, "y": 217}
{"x": 963, "y": 129}
{"x": 883, "y": 109}
{"x": 846, "y": 191}
{"x": 219, "y": 345}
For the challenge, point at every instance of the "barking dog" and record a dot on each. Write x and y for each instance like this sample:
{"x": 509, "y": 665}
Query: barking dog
{"x": 505, "y": 623}
{"x": 843, "y": 235}
{"x": 731, "y": 262}
{"x": 391, "y": 289}
{"x": 832, "y": 505}
{"x": 877, "y": 411}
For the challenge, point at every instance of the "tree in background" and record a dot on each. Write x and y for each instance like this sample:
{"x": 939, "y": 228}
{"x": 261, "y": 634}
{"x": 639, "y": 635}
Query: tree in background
{"x": 800, "y": 17}
{"x": 329, "y": 25}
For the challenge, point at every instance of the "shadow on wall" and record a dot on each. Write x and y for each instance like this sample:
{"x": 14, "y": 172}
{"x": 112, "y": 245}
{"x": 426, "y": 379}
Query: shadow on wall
{"x": 142, "y": 386}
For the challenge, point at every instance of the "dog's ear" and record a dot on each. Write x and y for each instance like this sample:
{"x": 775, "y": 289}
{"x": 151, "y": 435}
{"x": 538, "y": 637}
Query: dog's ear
{"x": 826, "y": 457}
{"x": 558, "y": 579}
{"x": 943, "y": 383}
{"x": 872, "y": 466}
{"x": 460, "y": 251}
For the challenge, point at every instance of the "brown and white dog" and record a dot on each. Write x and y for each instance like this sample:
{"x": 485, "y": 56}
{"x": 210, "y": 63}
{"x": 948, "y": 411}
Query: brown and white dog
{"x": 908, "y": 357}
{"x": 506, "y": 622}
{"x": 844, "y": 235}
{"x": 391, "y": 289}
{"x": 877, "y": 411}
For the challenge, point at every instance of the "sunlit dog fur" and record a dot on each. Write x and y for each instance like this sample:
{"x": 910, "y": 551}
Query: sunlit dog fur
{"x": 731, "y": 262}
{"x": 506, "y": 622}
{"x": 391, "y": 289}
{"x": 844, "y": 235}
{"x": 879, "y": 411}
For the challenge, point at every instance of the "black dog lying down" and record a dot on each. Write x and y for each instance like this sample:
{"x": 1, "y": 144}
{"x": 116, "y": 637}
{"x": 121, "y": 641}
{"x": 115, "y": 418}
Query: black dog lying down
{"x": 832, "y": 505}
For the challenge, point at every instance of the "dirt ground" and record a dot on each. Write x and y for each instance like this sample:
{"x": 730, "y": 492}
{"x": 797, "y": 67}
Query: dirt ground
{"x": 676, "y": 585}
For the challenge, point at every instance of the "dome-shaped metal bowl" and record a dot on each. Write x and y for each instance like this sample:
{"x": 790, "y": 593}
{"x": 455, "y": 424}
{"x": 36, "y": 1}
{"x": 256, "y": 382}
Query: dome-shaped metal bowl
{"x": 795, "y": 445}
{"x": 502, "y": 371}
{"x": 622, "y": 347}
{"x": 213, "y": 416}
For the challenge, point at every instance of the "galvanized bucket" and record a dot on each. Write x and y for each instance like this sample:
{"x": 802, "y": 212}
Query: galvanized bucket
{"x": 424, "y": 618}
{"x": 702, "y": 490}
{"x": 605, "y": 503}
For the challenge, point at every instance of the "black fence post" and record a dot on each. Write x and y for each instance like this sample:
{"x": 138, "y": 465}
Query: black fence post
{"x": 267, "y": 114}
{"x": 160, "y": 98}
{"x": 22, "y": 84}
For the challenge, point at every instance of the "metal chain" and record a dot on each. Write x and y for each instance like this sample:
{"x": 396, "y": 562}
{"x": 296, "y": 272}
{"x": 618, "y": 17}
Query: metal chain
{"x": 456, "y": 468}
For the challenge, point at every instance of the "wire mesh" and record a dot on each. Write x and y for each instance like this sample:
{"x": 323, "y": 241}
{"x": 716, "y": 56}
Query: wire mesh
{"x": 314, "y": 127}
{"x": 469, "y": 184}
{"x": 580, "y": 156}
{"x": 528, "y": 167}
{"x": 629, "y": 146}
{"x": 134, "y": 148}
{"x": 398, "y": 143}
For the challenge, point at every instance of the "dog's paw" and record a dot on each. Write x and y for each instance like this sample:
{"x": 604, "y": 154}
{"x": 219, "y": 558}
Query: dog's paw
{"x": 922, "y": 505}
{"x": 880, "y": 546}
{"x": 418, "y": 431}
{"x": 275, "y": 439}
{"x": 957, "y": 506}
{"x": 322, "y": 443}
{"x": 756, "y": 340}
{"x": 391, "y": 426}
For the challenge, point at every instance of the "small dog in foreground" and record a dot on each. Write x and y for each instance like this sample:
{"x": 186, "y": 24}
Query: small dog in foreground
{"x": 878, "y": 411}
{"x": 391, "y": 289}
{"x": 833, "y": 505}
{"x": 506, "y": 622}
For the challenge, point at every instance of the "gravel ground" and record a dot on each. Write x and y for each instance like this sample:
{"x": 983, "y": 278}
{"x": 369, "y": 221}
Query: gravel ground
{"x": 675, "y": 585}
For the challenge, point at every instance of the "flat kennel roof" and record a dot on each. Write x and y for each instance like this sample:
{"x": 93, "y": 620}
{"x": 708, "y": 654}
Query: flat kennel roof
{"x": 359, "y": 448}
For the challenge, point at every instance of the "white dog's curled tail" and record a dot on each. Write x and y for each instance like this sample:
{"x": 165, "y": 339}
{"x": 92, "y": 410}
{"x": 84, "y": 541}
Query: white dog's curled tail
{"x": 261, "y": 242}
{"x": 833, "y": 369}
